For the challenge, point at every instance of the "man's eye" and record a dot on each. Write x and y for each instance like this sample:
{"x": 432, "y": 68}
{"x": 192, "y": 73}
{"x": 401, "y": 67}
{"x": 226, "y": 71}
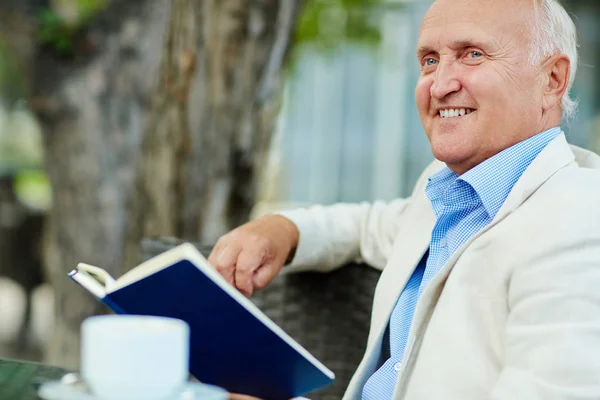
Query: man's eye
{"x": 430, "y": 61}
{"x": 475, "y": 54}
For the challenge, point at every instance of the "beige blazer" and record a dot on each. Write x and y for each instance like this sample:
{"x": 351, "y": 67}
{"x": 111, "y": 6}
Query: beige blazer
{"x": 514, "y": 314}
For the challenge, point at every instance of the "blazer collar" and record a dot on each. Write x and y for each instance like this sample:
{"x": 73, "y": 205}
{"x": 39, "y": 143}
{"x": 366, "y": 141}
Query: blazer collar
{"x": 553, "y": 158}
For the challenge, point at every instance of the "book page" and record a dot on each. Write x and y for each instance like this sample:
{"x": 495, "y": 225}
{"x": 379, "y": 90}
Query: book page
{"x": 89, "y": 282}
{"x": 98, "y": 274}
{"x": 157, "y": 263}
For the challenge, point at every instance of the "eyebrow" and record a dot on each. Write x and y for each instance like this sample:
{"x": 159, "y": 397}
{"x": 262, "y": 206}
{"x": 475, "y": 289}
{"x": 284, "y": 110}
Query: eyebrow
{"x": 456, "y": 44}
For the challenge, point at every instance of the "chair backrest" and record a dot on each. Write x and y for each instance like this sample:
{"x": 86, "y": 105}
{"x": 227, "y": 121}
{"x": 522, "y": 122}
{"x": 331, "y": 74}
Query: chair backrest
{"x": 328, "y": 314}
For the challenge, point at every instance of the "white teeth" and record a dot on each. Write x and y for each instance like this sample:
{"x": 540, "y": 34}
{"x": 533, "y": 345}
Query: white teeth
{"x": 455, "y": 112}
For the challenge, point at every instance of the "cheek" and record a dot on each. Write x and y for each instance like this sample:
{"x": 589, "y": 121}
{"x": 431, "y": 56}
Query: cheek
{"x": 495, "y": 88}
{"x": 487, "y": 90}
{"x": 423, "y": 95}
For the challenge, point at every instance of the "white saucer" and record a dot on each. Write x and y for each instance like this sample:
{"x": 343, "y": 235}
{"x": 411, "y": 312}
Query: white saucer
{"x": 57, "y": 390}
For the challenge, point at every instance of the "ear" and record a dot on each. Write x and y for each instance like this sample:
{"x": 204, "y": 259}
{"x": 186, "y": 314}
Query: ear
{"x": 556, "y": 71}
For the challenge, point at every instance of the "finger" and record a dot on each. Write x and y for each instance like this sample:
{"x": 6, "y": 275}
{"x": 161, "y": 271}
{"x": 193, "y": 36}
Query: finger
{"x": 214, "y": 254}
{"x": 248, "y": 261}
{"x": 212, "y": 258}
{"x": 263, "y": 276}
{"x": 225, "y": 260}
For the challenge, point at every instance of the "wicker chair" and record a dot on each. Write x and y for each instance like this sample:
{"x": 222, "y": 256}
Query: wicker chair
{"x": 328, "y": 314}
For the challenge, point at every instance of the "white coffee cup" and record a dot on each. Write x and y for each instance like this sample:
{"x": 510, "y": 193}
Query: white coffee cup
{"x": 126, "y": 357}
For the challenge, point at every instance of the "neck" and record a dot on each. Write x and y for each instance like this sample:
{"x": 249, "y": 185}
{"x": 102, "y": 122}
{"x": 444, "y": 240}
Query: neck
{"x": 550, "y": 119}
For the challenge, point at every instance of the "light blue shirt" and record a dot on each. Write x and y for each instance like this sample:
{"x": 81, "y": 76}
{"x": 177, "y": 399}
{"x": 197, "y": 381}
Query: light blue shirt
{"x": 463, "y": 205}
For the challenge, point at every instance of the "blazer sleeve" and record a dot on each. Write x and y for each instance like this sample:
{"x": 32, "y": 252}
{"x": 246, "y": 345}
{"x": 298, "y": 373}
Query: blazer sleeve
{"x": 552, "y": 336}
{"x": 331, "y": 236}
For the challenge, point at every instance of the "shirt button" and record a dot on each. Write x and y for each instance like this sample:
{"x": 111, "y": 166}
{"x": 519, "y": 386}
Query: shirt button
{"x": 443, "y": 242}
{"x": 397, "y": 366}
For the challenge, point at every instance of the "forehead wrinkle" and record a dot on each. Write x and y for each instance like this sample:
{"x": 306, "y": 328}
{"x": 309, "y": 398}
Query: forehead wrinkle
{"x": 497, "y": 40}
{"x": 487, "y": 43}
{"x": 444, "y": 13}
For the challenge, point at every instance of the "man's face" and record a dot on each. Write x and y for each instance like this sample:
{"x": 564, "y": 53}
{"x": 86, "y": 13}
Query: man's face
{"x": 475, "y": 58}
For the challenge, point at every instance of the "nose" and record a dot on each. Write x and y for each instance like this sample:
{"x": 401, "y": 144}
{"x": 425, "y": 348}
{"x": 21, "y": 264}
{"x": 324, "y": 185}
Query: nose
{"x": 445, "y": 81}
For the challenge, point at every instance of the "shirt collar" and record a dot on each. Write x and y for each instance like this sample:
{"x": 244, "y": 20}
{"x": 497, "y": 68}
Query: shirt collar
{"x": 494, "y": 178}
{"x": 439, "y": 184}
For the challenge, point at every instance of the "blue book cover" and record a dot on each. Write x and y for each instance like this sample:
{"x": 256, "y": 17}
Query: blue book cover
{"x": 232, "y": 343}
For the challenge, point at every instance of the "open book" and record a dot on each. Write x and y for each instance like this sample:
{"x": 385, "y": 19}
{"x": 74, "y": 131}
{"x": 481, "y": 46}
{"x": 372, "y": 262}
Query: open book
{"x": 232, "y": 343}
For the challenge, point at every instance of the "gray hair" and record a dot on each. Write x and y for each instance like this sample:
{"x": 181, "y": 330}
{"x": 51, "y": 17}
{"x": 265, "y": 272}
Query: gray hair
{"x": 554, "y": 33}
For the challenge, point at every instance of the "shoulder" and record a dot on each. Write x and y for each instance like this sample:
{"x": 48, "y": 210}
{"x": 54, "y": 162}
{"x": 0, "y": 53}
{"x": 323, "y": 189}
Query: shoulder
{"x": 576, "y": 183}
{"x": 570, "y": 199}
{"x": 585, "y": 158}
{"x": 556, "y": 226}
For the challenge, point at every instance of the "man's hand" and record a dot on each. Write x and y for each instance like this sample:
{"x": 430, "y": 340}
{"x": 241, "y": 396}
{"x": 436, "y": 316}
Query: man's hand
{"x": 251, "y": 256}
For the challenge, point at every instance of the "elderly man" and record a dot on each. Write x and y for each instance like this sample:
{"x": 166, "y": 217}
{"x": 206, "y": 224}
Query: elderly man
{"x": 491, "y": 269}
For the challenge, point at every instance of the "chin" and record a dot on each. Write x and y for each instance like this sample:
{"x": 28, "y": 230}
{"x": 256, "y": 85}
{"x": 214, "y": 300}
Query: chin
{"x": 451, "y": 153}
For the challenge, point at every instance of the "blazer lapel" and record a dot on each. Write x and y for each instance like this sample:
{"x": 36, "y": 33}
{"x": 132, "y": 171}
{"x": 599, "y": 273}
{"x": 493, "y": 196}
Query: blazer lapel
{"x": 411, "y": 244}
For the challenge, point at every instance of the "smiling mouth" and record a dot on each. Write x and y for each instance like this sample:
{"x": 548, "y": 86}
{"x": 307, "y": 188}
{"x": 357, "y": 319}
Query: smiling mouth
{"x": 455, "y": 112}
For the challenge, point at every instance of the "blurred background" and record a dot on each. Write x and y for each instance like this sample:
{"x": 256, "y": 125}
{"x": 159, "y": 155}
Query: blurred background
{"x": 123, "y": 119}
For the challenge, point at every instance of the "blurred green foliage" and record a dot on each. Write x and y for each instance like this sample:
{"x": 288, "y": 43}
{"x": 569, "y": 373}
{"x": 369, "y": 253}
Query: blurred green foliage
{"x": 330, "y": 23}
{"x": 327, "y": 26}
{"x": 20, "y": 138}
{"x": 32, "y": 188}
{"x": 21, "y": 156}
{"x": 12, "y": 81}
{"x": 58, "y": 24}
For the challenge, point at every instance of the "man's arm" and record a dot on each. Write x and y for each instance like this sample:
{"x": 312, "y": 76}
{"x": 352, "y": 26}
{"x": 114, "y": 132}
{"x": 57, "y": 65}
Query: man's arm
{"x": 335, "y": 235}
{"x": 319, "y": 238}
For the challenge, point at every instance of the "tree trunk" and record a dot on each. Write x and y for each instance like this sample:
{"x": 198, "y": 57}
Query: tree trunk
{"x": 91, "y": 106}
{"x": 206, "y": 129}
{"x": 211, "y": 119}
